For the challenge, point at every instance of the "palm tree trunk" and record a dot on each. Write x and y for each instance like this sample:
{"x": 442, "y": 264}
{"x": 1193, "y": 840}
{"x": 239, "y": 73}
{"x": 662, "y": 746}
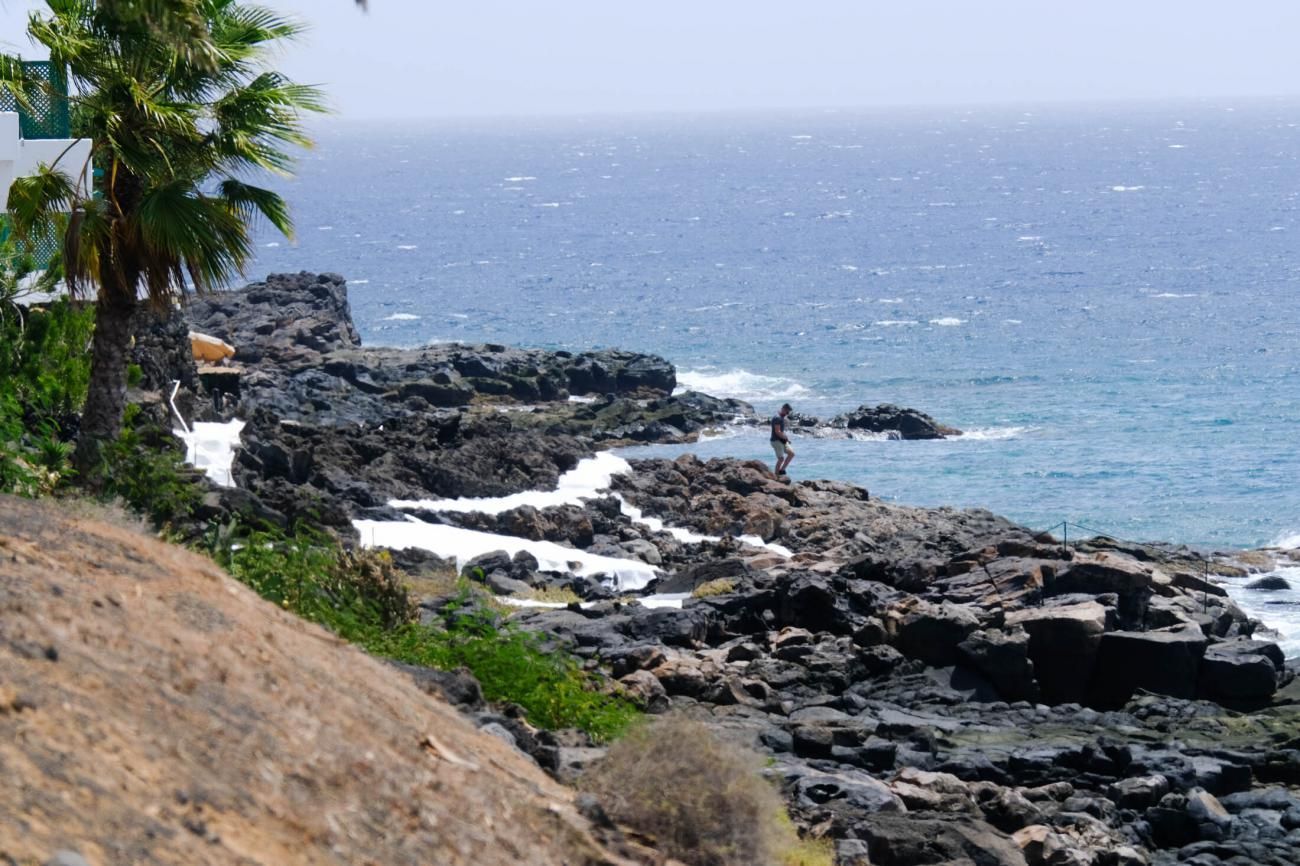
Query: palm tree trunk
{"x": 101, "y": 420}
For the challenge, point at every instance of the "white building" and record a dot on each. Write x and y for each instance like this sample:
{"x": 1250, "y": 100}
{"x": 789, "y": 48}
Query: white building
{"x": 30, "y": 138}
{"x": 20, "y": 156}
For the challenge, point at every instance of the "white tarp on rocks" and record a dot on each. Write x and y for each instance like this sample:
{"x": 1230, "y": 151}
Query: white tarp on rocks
{"x": 210, "y": 446}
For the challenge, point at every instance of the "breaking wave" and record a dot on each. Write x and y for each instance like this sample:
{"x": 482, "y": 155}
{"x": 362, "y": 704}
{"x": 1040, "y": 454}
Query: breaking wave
{"x": 740, "y": 384}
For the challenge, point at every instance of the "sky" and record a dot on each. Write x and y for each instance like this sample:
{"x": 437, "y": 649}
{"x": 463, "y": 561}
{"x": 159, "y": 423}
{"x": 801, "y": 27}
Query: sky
{"x": 424, "y": 58}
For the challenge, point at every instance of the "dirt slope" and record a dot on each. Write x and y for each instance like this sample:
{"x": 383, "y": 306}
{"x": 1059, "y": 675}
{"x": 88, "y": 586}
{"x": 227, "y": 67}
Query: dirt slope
{"x": 152, "y": 710}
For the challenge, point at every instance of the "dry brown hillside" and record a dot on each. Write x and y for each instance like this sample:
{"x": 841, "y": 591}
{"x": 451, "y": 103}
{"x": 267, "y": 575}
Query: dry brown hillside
{"x": 152, "y": 710}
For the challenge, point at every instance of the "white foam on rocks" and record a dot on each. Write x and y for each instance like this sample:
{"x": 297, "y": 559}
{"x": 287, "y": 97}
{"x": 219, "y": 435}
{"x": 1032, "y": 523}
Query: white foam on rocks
{"x": 462, "y": 545}
{"x": 590, "y": 479}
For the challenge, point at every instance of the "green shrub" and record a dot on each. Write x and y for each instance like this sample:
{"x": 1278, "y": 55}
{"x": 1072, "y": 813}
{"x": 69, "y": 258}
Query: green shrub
{"x": 703, "y": 799}
{"x": 363, "y": 598}
{"x": 145, "y": 467}
{"x": 45, "y": 358}
{"x": 44, "y": 370}
{"x": 513, "y": 665}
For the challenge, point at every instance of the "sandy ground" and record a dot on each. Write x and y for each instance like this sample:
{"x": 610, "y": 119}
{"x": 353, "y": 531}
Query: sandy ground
{"x": 152, "y": 710}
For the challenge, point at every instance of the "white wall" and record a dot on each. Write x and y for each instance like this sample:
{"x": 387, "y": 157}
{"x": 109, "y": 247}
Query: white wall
{"x": 20, "y": 157}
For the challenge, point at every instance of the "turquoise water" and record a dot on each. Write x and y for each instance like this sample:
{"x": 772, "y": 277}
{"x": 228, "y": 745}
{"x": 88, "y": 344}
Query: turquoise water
{"x": 1105, "y": 295}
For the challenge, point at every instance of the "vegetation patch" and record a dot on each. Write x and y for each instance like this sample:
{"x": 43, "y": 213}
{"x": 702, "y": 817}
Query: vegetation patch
{"x": 550, "y": 595}
{"x": 362, "y": 597}
{"x": 44, "y": 370}
{"x": 720, "y": 586}
{"x": 705, "y": 800}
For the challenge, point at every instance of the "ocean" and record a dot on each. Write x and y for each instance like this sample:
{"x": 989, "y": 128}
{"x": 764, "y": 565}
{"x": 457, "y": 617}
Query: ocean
{"x": 1103, "y": 296}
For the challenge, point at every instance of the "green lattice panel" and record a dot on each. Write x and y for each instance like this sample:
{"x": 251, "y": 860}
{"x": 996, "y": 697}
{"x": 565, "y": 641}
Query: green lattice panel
{"x": 42, "y": 249}
{"x": 49, "y": 117}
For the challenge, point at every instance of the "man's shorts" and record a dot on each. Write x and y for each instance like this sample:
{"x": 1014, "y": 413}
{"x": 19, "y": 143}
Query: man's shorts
{"x": 780, "y": 448}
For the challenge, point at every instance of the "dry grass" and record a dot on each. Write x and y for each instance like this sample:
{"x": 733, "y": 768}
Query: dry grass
{"x": 551, "y": 595}
{"x": 434, "y": 584}
{"x": 704, "y": 800}
{"x": 721, "y": 586}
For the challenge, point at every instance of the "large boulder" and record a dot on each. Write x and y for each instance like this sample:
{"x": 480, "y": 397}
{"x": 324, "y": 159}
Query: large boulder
{"x": 932, "y": 632}
{"x": 1098, "y": 573}
{"x": 906, "y": 840}
{"x": 1063, "y": 642}
{"x": 1165, "y": 662}
{"x": 612, "y": 371}
{"x": 1003, "y": 658}
{"x": 895, "y": 420}
{"x": 1240, "y": 673}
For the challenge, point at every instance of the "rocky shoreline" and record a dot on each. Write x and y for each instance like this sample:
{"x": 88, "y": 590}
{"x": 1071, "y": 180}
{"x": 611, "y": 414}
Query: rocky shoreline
{"x": 931, "y": 685}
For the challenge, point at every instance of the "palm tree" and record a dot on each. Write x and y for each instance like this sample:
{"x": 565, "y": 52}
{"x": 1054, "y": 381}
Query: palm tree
{"x": 180, "y": 109}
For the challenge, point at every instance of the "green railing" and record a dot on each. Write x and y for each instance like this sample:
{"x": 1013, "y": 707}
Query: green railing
{"x": 49, "y": 116}
{"x": 42, "y": 249}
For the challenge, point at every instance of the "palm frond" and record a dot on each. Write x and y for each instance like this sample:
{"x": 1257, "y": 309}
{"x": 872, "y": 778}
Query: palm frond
{"x": 252, "y": 202}
{"x": 14, "y": 80}
{"x": 36, "y": 200}
{"x": 179, "y": 227}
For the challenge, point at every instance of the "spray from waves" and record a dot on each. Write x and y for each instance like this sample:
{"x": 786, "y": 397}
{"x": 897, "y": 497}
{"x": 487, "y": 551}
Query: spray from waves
{"x": 1290, "y": 541}
{"x": 993, "y": 434}
{"x": 740, "y": 384}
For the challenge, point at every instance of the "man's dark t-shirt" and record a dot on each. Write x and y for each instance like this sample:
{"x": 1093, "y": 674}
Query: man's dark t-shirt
{"x": 778, "y": 428}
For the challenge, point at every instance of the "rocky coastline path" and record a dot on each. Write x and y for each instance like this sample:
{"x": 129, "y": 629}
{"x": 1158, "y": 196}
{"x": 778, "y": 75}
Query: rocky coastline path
{"x": 930, "y": 685}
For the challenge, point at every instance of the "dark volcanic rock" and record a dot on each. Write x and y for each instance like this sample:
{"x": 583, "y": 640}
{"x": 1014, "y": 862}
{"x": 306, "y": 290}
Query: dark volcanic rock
{"x": 888, "y": 660}
{"x": 887, "y": 418}
{"x": 1164, "y": 662}
{"x": 1269, "y": 582}
{"x": 1240, "y": 673}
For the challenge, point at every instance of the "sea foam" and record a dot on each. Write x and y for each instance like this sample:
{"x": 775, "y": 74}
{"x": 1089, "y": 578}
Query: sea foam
{"x": 740, "y": 384}
{"x": 465, "y": 544}
{"x": 1288, "y": 542}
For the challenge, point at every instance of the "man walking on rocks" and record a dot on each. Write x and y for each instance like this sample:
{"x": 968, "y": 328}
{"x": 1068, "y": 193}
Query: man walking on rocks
{"x": 781, "y": 440}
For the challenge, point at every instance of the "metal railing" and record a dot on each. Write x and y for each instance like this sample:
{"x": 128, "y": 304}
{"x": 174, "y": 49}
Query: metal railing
{"x": 1066, "y": 525}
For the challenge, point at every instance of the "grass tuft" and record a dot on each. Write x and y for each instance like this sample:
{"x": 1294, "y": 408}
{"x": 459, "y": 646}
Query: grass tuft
{"x": 551, "y": 594}
{"x": 721, "y": 586}
{"x": 704, "y": 799}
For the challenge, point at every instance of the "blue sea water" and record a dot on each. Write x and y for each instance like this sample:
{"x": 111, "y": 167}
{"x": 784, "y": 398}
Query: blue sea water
{"x": 1105, "y": 295}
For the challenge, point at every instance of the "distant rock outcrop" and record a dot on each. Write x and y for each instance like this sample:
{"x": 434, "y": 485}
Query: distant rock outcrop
{"x": 894, "y": 420}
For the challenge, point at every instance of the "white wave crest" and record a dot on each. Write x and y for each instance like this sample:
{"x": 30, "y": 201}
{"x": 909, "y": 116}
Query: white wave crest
{"x": 1288, "y": 542}
{"x": 948, "y": 322}
{"x": 741, "y": 384}
{"x": 401, "y": 317}
{"x": 894, "y": 323}
{"x": 1126, "y": 188}
{"x": 993, "y": 434}
{"x": 1174, "y": 295}
{"x": 407, "y": 247}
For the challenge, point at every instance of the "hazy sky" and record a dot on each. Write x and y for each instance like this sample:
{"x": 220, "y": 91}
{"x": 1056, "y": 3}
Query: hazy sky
{"x": 422, "y": 58}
